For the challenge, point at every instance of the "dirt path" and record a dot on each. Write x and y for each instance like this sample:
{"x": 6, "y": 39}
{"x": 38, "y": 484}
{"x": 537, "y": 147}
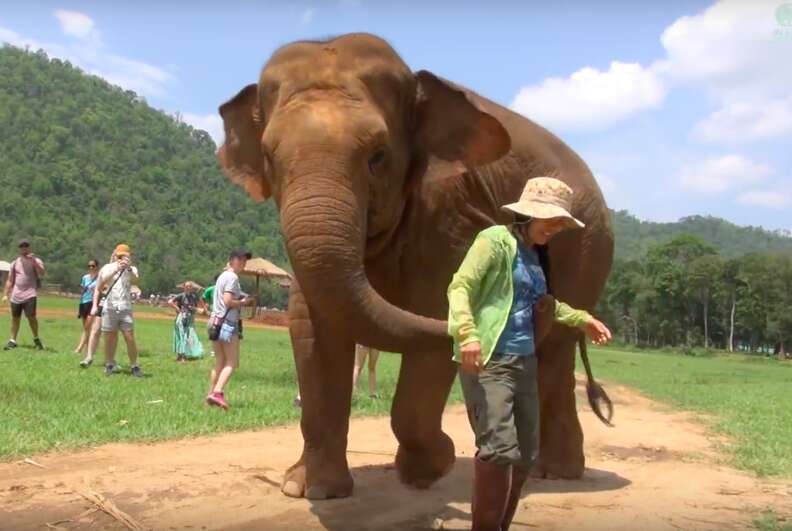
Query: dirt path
{"x": 656, "y": 469}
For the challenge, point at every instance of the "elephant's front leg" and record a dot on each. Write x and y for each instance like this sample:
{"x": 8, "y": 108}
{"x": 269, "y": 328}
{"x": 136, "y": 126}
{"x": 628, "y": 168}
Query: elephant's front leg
{"x": 324, "y": 367}
{"x": 561, "y": 437}
{"x": 425, "y": 453}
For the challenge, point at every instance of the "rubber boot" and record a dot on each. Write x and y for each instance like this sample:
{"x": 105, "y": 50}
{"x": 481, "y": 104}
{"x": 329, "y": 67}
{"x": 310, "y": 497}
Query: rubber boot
{"x": 517, "y": 481}
{"x": 491, "y": 484}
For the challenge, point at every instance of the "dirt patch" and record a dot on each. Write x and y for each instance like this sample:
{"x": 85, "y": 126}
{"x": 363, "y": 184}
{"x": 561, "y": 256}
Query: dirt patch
{"x": 656, "y": 470}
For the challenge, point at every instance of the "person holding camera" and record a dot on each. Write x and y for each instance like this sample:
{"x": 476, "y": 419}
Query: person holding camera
{"x": 225, "y": 326}
{"x": 117, "y": 278}
{"x": 24, "y": 279}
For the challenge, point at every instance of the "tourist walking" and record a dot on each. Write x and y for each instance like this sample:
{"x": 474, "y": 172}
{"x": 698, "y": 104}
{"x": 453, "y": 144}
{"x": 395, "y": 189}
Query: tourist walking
{"x": 361, "y": 354}
{"x": 89, "y": 338}
{"x": 225, "y": 326}
{"x": 21, "y": 287}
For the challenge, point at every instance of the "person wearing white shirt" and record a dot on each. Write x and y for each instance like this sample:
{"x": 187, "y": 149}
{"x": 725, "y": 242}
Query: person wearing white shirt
{"x": 117, "y": 278}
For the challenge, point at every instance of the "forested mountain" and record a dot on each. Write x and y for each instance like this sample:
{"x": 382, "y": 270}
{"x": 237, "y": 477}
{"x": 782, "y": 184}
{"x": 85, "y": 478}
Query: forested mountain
{"x": 85, "y": 165}
{"x": 634, "y": 237}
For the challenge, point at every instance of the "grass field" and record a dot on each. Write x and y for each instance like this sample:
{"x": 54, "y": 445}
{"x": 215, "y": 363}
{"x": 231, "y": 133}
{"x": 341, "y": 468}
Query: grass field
{"x": 746, "y": 398}
{"x": 49, "y": 403}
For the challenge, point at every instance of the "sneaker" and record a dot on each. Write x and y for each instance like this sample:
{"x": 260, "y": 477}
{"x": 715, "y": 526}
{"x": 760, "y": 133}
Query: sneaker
{"x": 10, "y": 345}
{"x": 109, "y": 369}
{"x": 136, "y": 372}
{"x": 86, "y": 363}
{"x": 38, "y": 344}
{"x": 217, "y": 399}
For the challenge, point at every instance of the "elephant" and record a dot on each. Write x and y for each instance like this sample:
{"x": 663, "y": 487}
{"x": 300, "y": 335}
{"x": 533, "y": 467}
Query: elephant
{"x": 382, "y": 178}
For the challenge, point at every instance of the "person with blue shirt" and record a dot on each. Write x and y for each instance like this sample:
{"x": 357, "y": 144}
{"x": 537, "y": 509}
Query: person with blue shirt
{"x": 87, "y": 287}
{"x": 492, "y": 299}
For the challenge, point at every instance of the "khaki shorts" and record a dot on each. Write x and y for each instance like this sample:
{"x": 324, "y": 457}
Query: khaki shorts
{"x": 114, "y": 320}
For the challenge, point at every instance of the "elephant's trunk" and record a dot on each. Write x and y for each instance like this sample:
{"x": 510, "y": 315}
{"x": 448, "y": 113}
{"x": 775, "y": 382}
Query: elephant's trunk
{"x": 324, "y": 226}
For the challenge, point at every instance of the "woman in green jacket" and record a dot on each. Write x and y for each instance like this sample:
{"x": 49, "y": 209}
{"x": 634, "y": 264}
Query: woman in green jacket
{"x": 491, "y": 305}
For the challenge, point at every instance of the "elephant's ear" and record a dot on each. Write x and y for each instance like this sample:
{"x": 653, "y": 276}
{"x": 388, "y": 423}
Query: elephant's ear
{"x": 240, "y": 156}
{"x": 451, "y": 126}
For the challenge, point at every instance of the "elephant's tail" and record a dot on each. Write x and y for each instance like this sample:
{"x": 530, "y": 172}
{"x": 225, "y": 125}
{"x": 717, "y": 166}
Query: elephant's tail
{"x": 594, "y": 391}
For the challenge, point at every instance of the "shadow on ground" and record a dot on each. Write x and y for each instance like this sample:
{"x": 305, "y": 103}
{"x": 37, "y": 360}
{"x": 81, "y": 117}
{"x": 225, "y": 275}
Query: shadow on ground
{"x": 408, "y": 509}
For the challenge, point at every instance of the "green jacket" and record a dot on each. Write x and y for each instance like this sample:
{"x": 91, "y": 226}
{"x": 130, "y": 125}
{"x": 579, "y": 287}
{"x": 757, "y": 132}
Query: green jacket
{"x": 480, "y": 295}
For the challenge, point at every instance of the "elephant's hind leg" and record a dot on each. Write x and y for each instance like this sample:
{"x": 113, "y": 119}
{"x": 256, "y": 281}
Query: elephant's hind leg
{"x": 561, "y": 437}
{"x": 324, "y": 366}
{"x": 425, "y": 453}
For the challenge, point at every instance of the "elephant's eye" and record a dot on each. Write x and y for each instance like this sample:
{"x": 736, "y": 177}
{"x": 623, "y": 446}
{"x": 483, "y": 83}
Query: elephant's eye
{"x": 376, "y": 160}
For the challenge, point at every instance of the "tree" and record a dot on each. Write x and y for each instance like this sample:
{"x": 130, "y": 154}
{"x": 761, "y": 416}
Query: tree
{"x": 704, "y": 273}
{"x": 85, "y": 165}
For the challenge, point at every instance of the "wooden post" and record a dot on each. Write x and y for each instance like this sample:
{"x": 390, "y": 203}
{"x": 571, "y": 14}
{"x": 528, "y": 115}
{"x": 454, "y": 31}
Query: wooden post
{"x": 258, "y": 295}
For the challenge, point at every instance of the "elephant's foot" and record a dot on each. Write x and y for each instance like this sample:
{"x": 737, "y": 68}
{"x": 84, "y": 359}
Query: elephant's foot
{"x": 329, "y": 484}
{"x": 557, "y": 469}
{"x": 423, "y": 465}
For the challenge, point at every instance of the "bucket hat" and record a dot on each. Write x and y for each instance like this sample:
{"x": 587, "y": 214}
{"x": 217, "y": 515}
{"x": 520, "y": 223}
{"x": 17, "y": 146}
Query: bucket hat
{"x": 545, "y": 198}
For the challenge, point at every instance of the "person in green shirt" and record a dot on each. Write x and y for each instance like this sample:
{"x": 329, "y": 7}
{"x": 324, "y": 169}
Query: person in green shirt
{"x": 492, "y": 299}
{"x": 207, "y": 297}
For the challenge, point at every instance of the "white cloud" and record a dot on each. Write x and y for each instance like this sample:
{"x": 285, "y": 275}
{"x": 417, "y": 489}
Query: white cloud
{"x": 730, "y": 50}
{"x": 74, "y": 24}
{"x": 746, "y": 121}
{"x": 716, "y": 175}
{"x": 91, "y": 55}
{"x": 307, "y": 16}
{"x": 590, "y": 98}
{"x": 766, "y": 198}
{"x": 211, "y": 123}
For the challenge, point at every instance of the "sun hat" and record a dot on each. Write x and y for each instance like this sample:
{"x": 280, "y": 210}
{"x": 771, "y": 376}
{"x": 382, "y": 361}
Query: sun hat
{"x": 545, "y": 198}
{"x": 122, "y": 249}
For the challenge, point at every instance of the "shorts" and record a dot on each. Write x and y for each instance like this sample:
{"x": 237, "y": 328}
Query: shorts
{"x": 84, "y": 310}
{"x": 114, "y": 320}
{"x": 29, "y": 307}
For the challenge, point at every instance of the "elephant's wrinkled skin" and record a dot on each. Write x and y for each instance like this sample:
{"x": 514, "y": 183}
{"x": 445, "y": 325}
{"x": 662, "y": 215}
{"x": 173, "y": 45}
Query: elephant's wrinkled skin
{"x": 383, "y": 178}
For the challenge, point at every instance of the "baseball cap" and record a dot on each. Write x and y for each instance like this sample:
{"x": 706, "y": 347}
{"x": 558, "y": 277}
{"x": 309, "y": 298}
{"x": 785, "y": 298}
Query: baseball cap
{"x": 24, "y": 243}
{"x": 240, "y": 253}
{"x": 122, "y": 249}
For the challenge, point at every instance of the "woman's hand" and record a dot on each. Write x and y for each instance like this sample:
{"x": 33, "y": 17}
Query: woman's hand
{"x": 471, "y": 357}
{"x": 597, "y": 331}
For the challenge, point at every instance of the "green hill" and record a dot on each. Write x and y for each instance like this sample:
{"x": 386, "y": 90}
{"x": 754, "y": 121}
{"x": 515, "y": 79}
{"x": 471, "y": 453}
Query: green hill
{"x": 85, "y": 165}
{"x": 634, "y": 237}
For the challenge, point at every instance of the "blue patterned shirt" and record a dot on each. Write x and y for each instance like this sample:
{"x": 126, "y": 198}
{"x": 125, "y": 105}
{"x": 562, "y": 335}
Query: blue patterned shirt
{"x": 517, "y": 339}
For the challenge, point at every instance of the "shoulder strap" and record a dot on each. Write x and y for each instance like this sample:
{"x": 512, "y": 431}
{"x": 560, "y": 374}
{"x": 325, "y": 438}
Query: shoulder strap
{"x": 118, "y": 276}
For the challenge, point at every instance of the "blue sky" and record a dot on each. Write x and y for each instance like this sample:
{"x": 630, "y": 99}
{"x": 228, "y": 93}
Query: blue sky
{"x": 679, "y": 108}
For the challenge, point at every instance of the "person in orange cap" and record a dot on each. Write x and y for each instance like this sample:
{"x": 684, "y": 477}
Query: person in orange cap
{"x": 115, "y": 308}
